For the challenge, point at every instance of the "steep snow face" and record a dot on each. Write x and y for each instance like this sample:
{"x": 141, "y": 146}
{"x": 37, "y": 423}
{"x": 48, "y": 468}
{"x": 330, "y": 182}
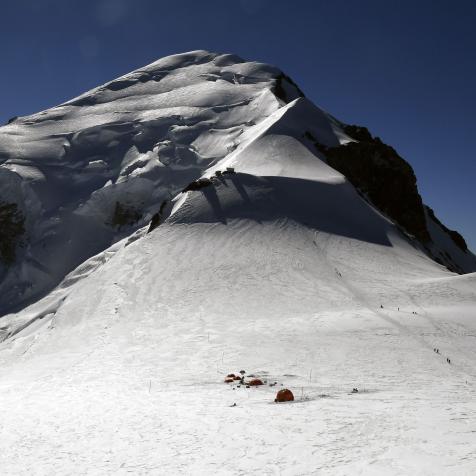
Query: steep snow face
{"x": 389, "y": 182}
{"x": 288, "y": 274}
{"x": 91, "y": 170}
{"x": 280, "y": 268}
{"x": 279, "y": 182}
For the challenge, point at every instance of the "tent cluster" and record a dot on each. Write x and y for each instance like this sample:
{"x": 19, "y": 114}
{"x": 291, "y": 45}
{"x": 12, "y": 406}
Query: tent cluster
{"x": 230, "y": 378}
{"x": 283, "y": 395}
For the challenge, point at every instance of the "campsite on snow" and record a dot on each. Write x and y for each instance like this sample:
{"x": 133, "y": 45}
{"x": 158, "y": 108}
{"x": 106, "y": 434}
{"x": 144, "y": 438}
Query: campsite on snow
{"x": 201, "y": 271}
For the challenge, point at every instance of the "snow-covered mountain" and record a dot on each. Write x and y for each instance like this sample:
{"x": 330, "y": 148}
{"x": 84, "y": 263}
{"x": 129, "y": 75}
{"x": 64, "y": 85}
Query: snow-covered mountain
{"x": 88, "y": 172}
{"x": 76, "y": 178}
{"x": 207, "y": 217}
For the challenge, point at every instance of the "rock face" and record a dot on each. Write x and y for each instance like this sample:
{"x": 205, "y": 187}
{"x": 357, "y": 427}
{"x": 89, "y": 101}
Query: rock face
{"x": 380, "y": 174}
{"x": 388, "y": 182}
{"x": 286, "y": 89}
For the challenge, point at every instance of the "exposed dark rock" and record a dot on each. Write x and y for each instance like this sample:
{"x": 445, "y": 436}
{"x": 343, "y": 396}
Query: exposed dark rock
{"x": 197, "y": 185}
{"x": 157, "y": 217}
{"x": 11, "y": 231}
{"x": 359, "y": 133}
{"x": 12, "y": 119}
{"x": 279, "y": 89}
{"x": 162, "y": 207}
{"x": 154, "y": 222}
{"x": 382, "y": 176}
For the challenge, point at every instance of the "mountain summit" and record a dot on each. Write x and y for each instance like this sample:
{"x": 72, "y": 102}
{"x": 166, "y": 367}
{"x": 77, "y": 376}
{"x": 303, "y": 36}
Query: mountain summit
{"x": 200, "y": 216}
{"x": 76, "y": 178}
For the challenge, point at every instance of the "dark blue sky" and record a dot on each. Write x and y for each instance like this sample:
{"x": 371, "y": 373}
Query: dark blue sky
{"x": 405, "y": 69}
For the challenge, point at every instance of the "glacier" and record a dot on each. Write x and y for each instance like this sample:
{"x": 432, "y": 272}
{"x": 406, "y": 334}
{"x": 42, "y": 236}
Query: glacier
{"x": 116, "y": 337}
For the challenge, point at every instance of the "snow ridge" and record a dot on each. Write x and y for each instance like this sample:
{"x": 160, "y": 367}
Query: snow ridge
{"x": 262, "y": 257}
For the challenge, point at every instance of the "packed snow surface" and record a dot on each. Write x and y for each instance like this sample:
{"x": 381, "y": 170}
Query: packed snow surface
{"x": 281, "y": 269}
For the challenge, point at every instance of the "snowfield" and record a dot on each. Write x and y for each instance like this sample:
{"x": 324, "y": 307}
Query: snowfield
{"x": 280, "y": 268}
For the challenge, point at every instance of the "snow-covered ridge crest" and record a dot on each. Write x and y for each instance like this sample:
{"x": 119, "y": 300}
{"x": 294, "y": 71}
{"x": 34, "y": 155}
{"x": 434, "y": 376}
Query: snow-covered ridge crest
{"x": 79, "y": 177}
{"x": 292, "y": 120}
{"x": 90, "y": 171}
{"x": 262, "y": 257}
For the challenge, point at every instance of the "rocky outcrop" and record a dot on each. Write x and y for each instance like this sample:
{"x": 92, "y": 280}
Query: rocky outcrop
{"x": 286, "y": 89}
{"x": 383, "y": 177}
{"x": 387, "y": 181}
{"x": 157, "y": 217}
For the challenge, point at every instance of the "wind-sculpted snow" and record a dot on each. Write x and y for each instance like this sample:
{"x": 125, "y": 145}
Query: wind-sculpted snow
{"x": 121, "y": 368}
{"x": 136, "y": 141}
{"x": 261, "y": 257}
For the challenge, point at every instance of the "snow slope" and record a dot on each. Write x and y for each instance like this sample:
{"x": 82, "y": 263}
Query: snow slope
{"x": 281, "y": 269}
{"x": 137, "y": 140}
{"x": 93, "y": 170}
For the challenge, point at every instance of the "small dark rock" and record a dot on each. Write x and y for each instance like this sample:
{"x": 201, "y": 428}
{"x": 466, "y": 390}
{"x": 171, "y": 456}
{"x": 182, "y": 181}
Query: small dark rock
{"x": 197, "y": 185}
